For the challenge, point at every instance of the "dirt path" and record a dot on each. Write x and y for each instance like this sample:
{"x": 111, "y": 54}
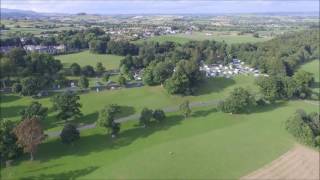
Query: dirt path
{"x": 300, "y": 163}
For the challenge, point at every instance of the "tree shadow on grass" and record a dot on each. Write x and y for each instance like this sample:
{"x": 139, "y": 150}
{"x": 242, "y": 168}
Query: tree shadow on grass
{"x": 73, "y": 174}
{"x": 211, "y": 85}
{"x": 267, "y": 107}
{"x": 203, "y": 113}
{"x": 5, "y": 98}
{"x": 315, "y": 85}
{"x": 102, "y": 142}
{"x": 11, "y": 111}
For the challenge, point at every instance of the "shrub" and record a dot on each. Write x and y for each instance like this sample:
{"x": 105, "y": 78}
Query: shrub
{"x": 69, "y": 134}
{"x": 304, "y": 127}
{"x": 238, "y": 101}
{"x": 159, "y": 115}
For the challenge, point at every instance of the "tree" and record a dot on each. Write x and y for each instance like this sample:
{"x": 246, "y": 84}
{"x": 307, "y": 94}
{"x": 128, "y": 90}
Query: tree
{"x": 145, "y": 116}
{"x": 84, "y": 82}
{"x": 16, "y": 87}
{"x": 31, "y": 85}
{"x": 106, "y": 119}
{"x": 122, "y": 80}
{"x": 35, "y": 109}
{"x": 75, "y": 69}
{"x": 185, "y": 78}
{"x": 98, "y": 46}
{"x": 185, "y": 109}
{"x": 304, "y": 127}
{"x": 159, "y": 115}
{"x": 99, "y": 68}
{"x": 8, "y": 147}
{"x": 106, "y": 77}
{"x": 238, "y": 101}
{"x": 29, "y": 134}
{"x": 67, "y": 104}
{"x": 69, "y": 134}
{"x": 88, "y": 71}
{"x": 303, "y": 81}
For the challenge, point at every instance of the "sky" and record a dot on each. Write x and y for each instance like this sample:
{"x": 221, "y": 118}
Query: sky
{"x": 163, "y": 7}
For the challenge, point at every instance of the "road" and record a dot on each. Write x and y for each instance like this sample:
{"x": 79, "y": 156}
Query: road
{"x": 136, "y": 116}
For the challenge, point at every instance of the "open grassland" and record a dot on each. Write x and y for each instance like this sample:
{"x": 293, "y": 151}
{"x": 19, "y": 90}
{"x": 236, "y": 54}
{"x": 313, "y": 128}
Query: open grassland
{"x": 137, "y": 98}
{"x": 87, "y": 58}
{"x": 209, "y": 144}
{"x": 230, "y": 38}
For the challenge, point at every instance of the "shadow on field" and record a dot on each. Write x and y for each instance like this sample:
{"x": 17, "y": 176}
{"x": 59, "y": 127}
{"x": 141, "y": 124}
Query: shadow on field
{"x": 203, "y": 113}
{"x": 102, "y": 142}
{"x": 73, "y": 174}
{"x": 316, "y": 85}
{"x": 12, "y": 111}
{"x": 214, "y": 85}
{"x": 5, "y": 98}
{"x": 268, "y": 107}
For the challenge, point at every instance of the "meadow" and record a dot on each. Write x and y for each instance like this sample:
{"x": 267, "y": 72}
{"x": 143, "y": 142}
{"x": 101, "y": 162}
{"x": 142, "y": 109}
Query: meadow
{"x": 137, "y": 98}
{"x": 86, "y": 58}
{"x": 208, "y": 144}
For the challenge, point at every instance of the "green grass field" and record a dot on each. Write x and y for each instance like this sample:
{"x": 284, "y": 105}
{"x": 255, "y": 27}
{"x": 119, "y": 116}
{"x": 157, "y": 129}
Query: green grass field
{"x": 87, "y": 58}
{"x": 230, "y": 38}
{"x": 208, "y": 144}
{"x": 137, "y": 98}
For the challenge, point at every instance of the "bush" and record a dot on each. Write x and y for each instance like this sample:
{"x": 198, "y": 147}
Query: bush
{"x": 69, "y": 134}
{"x": 238, "y": 101}
{"x": 304, "y": 127}
{"x": 159, "y": 115}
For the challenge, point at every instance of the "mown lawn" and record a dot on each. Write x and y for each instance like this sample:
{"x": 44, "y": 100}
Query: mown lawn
{"x": 87, "y": 58}
{"x": 137, "y": 98}
{"x": 209, "y": 144}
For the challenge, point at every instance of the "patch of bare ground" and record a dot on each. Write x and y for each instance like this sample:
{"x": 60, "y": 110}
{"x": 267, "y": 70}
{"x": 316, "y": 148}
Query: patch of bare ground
{"x": 300, "y": 163}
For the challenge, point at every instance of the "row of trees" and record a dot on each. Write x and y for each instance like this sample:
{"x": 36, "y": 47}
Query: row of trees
{"x": 284, "y": 87}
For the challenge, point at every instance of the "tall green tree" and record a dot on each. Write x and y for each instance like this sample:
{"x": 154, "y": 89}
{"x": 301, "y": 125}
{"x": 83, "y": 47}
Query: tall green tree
{"x": 107, "y": 119}
{"x": 8, "y": 141}
{"x": 84, "y": 82}
{"x": 67, "y": 105}
{"x": 100, "y": 68}
{"x": 69, "y": 134}
{"x": 145, "y": 116}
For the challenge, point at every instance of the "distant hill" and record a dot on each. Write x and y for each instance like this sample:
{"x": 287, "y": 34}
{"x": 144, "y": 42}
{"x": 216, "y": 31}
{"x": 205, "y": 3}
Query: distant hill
{"x": 15, "y": 13}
